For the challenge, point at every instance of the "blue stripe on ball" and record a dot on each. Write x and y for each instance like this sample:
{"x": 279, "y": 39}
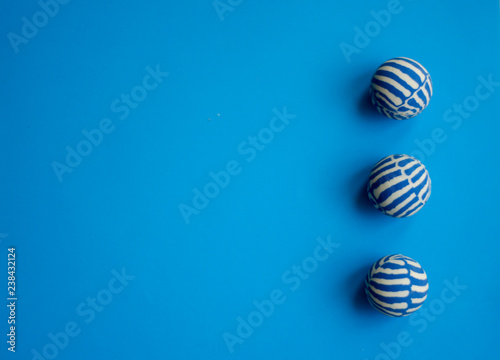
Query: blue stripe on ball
{"x": 396, "y": 285}
{"x": 399, "y": 185}
{"x": 401, "y": 88}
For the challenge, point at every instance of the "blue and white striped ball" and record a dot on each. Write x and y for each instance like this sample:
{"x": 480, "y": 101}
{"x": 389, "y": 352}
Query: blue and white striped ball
{"x": 399, "y": 185}
{"x": 396, "y": 285}
{"x": 401, "y": 88}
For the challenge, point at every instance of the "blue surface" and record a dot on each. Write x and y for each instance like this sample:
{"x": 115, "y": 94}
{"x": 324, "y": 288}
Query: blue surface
{"x": 186, "y": 285}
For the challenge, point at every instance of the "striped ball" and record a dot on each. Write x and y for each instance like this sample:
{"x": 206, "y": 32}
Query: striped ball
{"x": 396, "y": 285}
{"x": 399, "y": 185}
{"x": 401, "y": 88}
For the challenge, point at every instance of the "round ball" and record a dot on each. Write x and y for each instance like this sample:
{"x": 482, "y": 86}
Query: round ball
{"x": 399, "y": 185}
{"x": 401, "y": 88}
{"x": 396, "y": 285}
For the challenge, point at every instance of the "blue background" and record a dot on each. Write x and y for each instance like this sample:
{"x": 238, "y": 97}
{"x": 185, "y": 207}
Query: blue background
{"x": 119, "y": 208}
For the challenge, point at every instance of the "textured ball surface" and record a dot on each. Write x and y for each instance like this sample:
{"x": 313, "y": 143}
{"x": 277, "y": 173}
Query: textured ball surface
{"x": 399, "y": 185}
{"x": 396, "y": 285}
{"x": 401, "y": 88}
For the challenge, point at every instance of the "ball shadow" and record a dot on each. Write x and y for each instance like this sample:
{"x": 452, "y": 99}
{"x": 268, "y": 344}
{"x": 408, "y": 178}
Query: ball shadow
{"x": 360, "y": 196}
{"x": 364, "y": 105}
{"x": 361, "y": 200}
{"x": 355, "y": 285}
{"x": 366, "y": 108}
